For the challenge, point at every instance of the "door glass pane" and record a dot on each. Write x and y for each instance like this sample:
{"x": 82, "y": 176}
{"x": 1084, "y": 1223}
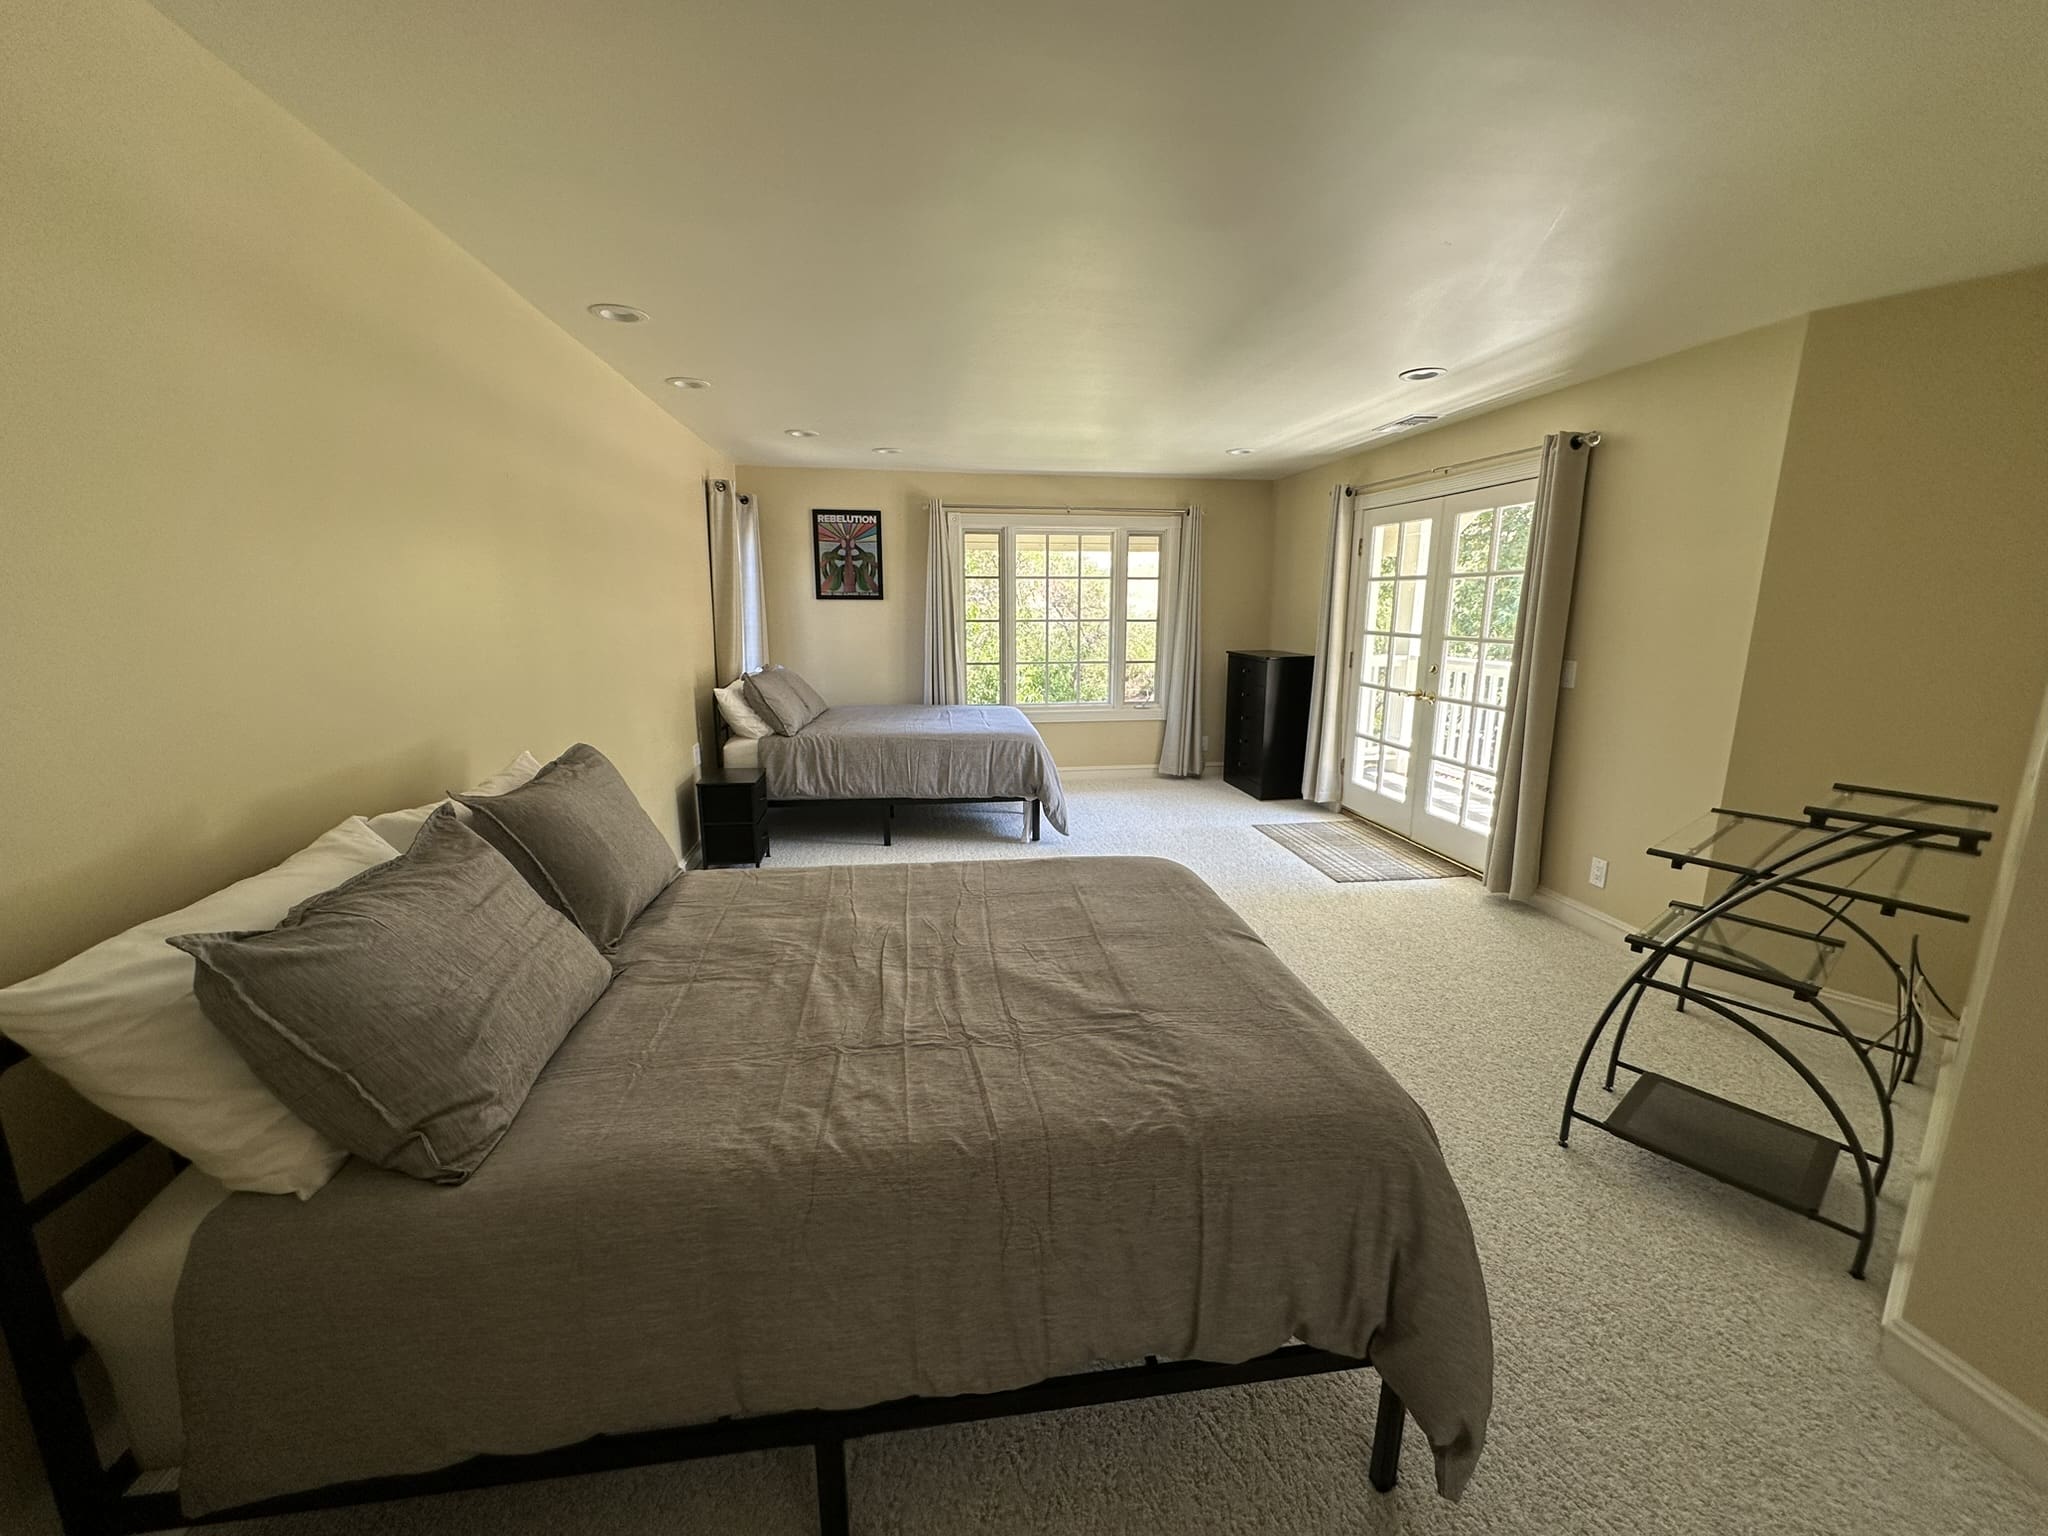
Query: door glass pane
{"x": 1365, "y": 764}
{"x": 1485, "y": 745}
{"x": 1063, "y": 598}
{"x": 985, "y": 643}
{"x": 1459, "y": 678}
{"x": 1475, "y": 540}
{"x": 1453, "y": 726}
{"x": 1446, "y": 790}
{"x": 1386, "y": 550}
{"x": 1140, "y": 682}
{"x": 984, "y": 597}
{"x": 1063, "y": 554}
{"x": 1408, "y": 606}
{"x": 1095, "y": 554}
{"x": 1094, "y": 641}
{"x": 1515, "y": 523}
{"x": 1415, "y": 547}
{"x": 1479, "y": 804}
{"x": 1493, "y": 677}
{"x": 1506, "y": 607}
{"x": 1143, "y": 555}
{"x": 1030, "y": 554}
{"x": 1404, "y": 661}
{"x": 984, "y": 685}
{"x": 1400, "y": 720}
{"x": 1092, "y": 682}
{"x": 1031, "y": 681}
{"x": 1376, "y": 658}
{"x": 1394, "y": 772}
{"x": 1094, "y": 597}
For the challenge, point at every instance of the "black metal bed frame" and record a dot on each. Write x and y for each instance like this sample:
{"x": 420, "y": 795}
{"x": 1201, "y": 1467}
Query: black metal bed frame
{"x": 887, "y": 809}
{"x": 95, "y": 1498}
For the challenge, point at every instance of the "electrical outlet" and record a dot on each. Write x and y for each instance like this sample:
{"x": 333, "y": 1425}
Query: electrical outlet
{"x": 1597, "y": 875}
{"x": 1569, "y": 677}
{"x": 1205, "y": 741}
{"x": 697, "y": 756}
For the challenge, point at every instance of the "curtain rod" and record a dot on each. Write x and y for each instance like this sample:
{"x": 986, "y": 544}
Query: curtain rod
{"x": 1422, "y": 476}
{"x": 996, "y": 506}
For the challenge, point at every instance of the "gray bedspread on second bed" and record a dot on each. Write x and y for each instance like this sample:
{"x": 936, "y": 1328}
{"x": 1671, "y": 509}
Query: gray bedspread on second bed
{"x": 916, "y": 752}
{"x": 836, "y": 1136}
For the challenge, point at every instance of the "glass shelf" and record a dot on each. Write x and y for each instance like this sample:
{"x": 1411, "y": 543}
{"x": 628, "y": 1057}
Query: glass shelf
{"x": 1777, "y": 953}
{"x": 1750, "y": 842}
{"x": 1894, "y": 810}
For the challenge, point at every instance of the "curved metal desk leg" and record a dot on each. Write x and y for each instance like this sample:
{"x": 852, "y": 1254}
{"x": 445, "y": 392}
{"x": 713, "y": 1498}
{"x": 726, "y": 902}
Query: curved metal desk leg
{"x": 1849, "y": 1137}
{"x": 1621, "y": 1032}
{"x": 1684, "y": 981}
{"x": 1571, "y": 1098}
{"x": 1884, "y": 1100}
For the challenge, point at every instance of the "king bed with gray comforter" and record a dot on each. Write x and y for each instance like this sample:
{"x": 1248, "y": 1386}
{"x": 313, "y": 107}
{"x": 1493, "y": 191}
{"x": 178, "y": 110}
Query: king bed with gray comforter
{"x": 886, "y": 754}
{"x": 841, "y": 1137}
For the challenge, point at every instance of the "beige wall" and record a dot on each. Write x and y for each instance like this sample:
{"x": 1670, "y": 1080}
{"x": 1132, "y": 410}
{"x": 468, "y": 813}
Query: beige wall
{"x": 1901, "y": 635}
{"x": 872, "y": 652}
{"x": 1678, "y": 507}
{"x": 306, "y": 513}
{"x": 1976, "y": 1244}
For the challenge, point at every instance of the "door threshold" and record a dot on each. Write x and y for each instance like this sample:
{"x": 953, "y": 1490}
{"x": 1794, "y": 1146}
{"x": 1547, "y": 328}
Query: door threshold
{"x": 1402, "y": 837}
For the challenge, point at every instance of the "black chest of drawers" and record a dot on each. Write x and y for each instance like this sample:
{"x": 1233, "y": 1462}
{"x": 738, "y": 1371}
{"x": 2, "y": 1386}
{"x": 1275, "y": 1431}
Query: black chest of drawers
{"x": 732, "y": 811}
{"x": 1265, "y": 722}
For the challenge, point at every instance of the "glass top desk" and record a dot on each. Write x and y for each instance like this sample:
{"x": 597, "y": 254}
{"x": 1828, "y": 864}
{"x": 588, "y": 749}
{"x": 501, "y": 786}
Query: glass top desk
{"x": 1859, "y": 845}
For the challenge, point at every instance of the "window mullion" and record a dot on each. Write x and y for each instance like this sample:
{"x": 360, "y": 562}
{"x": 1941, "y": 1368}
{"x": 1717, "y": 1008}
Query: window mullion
{"x": 1007, "y": 561}
{"x": 1120, "y": 545}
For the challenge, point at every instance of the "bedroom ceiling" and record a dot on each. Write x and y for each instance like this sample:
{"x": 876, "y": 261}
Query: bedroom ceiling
{"x": 1133, "y": 236}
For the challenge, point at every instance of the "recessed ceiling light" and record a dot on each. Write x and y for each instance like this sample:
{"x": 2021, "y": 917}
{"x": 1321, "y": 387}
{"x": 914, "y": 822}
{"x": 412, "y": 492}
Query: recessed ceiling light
{"x": 885, "y": 450}
{"x": 798, "y": 432}
{"x": 625, "y": 314}
{"x": 1427, "y": 371}
{"x": 682, "y": 381}
{"x": 1237, "y": 453}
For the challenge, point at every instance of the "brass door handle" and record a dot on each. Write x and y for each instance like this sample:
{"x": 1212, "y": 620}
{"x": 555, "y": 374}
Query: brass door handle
{"x": 1416, "y": 693}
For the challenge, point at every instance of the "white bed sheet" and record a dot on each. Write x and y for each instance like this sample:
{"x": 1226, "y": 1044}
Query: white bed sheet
{"x": 123, "y": 1305}
{"x": 740, "y": 752}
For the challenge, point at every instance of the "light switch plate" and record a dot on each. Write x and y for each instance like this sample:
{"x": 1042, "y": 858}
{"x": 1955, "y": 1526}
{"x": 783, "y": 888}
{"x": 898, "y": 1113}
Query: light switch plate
{"x": 1569, "y": 677}
{"x": 1597, "y": 875}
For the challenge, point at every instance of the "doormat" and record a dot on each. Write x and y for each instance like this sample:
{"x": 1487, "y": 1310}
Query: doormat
{"x": 1350, "y": 851}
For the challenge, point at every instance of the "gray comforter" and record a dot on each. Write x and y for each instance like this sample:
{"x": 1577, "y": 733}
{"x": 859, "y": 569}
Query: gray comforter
{"x": 915, "y": 752}
{"x": 836, "y": 1136}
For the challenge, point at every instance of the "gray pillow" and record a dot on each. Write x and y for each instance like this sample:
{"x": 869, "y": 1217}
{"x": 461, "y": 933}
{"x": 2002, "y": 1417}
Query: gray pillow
{"x": 406, "y": 1012}
{"x": 581, "y": 838}
{"x": 784, "y": 700}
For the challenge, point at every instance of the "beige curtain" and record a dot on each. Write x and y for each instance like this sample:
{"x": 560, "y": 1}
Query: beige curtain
{"x": 945, "y": 668}
{"x": 1180, "y": 749}
{"x": 1514, "y": 858}
{"x": 739, "y": 615}
{"x": 1322, "y": 774}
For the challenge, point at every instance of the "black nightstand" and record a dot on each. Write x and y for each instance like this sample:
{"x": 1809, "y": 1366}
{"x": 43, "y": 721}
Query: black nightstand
{"x": 732, "y": 810}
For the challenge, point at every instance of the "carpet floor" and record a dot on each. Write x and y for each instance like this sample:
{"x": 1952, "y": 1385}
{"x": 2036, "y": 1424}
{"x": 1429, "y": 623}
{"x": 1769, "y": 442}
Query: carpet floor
{"x": 1673, "y": 1357}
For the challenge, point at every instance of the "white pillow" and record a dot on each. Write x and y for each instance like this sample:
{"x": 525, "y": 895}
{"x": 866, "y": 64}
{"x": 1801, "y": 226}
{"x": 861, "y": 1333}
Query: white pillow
{"x": 120, "y": 1024}
{"x": 399, "y": 828}
{"x": 746, "y": 723}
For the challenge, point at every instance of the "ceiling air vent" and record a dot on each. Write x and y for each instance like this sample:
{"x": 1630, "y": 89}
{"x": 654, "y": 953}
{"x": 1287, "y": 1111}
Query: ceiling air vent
{"x": 1403, "y": 424}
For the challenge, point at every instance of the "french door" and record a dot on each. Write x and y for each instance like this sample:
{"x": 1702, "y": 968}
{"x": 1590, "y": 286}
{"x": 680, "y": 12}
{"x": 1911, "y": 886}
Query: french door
{"x": 1437, "y": 617}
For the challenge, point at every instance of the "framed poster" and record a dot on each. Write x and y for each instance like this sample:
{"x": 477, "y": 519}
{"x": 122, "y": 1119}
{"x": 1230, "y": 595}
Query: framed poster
{"x": 849, "y": 553}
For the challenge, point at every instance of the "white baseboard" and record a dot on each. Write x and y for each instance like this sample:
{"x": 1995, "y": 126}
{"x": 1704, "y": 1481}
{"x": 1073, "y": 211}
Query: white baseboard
{"x": 2014, "y": 1431}
{"x": 1866, "y": 1015}
{"x": 1105, "y": 770}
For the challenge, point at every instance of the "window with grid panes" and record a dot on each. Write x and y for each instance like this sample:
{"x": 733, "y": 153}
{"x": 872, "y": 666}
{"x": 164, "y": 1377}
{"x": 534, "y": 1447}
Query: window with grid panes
{"x": 1066, "y": 616}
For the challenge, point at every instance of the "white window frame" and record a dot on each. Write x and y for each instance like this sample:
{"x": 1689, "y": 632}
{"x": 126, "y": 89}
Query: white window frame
{"x": 1120, "y": 526}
